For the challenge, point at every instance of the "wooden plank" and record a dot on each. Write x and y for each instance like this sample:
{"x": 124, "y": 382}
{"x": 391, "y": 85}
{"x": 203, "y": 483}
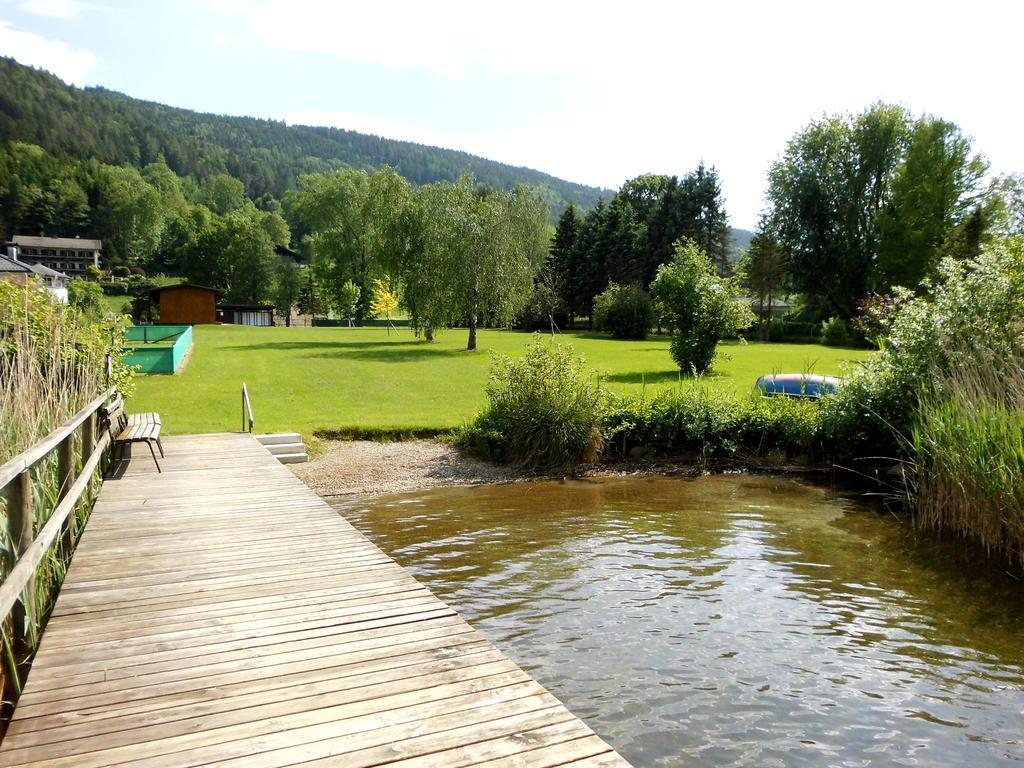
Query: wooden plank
{"x": 222, "y": 613}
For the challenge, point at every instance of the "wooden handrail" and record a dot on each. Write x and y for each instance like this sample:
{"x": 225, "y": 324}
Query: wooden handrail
{"x": 24, "y": 570}
{"x": 26, "y": 459}
{"x": 246, "y": 410}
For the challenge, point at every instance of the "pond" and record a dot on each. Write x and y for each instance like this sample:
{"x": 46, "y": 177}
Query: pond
{"x": 729, "y": 620}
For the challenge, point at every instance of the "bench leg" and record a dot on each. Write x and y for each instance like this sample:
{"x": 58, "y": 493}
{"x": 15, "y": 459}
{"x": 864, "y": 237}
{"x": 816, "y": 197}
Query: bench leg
{"x": 161, "y": 447}
{"x": 150, "y": 444}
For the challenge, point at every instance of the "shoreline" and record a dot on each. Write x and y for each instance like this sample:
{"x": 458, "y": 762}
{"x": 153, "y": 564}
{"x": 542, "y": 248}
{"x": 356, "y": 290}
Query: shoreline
{"x": 354, "y": 469}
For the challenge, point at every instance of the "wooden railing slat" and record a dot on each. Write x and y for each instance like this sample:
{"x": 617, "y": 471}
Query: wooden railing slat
{"x": 24, "y": 570}
{"x": 27, "y": 458}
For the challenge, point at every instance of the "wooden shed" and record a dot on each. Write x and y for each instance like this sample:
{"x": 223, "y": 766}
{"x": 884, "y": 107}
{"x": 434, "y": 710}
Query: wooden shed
{"x": 187, "y": 304}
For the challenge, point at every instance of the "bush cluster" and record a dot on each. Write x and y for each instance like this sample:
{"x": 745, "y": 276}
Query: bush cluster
{"x": 544, "y": 411}
{"x": 624, "y": 311}
{"x": 793, "y": 331}
{"x": 835, "y": 333}
{"x": 714, "y": 424}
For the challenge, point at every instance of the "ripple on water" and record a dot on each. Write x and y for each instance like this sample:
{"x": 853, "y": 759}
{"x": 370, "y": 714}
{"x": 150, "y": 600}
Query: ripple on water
{"x": 731, "y": 620}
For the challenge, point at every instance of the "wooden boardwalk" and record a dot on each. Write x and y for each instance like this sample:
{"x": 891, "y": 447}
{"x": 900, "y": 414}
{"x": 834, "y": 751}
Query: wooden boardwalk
{"x": 222, "y": 613}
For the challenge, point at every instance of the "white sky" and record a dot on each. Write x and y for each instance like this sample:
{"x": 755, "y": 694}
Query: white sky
{"x": 593, "y": 92}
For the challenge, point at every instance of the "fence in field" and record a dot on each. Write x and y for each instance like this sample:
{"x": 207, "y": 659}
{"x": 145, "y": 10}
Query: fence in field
{"x": 42, "y": 488}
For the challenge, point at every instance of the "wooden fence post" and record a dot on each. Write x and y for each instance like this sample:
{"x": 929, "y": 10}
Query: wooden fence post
{"x": 65, "y": 479}
{"x": 20, "y": 533}
{"x": 88, "y": 437}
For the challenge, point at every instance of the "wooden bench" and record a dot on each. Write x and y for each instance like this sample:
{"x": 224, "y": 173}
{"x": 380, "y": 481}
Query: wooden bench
{"x": 136, "y": 428}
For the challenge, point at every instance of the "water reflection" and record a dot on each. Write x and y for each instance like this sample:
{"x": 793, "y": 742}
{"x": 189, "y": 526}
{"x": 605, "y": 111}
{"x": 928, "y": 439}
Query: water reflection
{"x": 728, "y": 620}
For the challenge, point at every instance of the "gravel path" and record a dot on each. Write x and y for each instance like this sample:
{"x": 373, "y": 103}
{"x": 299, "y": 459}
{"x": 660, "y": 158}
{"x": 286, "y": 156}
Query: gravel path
{"x": 363, "y": 468}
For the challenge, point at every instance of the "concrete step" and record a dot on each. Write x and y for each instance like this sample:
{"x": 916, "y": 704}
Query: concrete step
{"x": 279, "y": 449}
{"x": 292, "y": 458}
{"x": 279, "y": 438}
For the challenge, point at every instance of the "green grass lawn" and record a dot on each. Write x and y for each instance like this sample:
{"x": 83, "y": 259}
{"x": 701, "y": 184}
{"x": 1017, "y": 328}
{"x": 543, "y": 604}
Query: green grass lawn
{"x": 308, "y": 379}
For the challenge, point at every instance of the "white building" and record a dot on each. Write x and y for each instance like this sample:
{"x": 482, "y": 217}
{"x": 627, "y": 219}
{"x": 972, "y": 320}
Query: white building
{"x": 70, "y": 255}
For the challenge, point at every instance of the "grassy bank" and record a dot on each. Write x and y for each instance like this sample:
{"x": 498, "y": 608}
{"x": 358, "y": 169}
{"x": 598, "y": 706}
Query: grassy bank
{"x": 309, "y": 379}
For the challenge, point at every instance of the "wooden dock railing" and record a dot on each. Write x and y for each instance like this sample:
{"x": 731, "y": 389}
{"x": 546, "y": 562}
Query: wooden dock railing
{"x": 77, "y": 461}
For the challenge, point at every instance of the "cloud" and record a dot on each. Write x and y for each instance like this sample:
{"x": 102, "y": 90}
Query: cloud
{"x": 657, "y": 86}
{"x": 55, "y": 9}
{"x": 70, "y": 65}
{"x": 224, "y": 39}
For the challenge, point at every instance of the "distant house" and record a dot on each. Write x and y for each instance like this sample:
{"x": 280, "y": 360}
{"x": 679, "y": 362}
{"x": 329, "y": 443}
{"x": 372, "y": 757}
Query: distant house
{"x": 775, "y": 308}
{"x": 55, "y": 282}
{"x": 12, "y": 269}
{"x": 246, "y": 314}
{"x": 70, "y": 255}
{"x": 186, "y": 304}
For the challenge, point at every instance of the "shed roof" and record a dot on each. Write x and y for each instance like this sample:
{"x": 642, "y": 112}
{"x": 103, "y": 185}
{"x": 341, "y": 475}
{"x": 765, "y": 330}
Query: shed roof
{"x": 58, "y": 242}
{"x": 155, "y": 293}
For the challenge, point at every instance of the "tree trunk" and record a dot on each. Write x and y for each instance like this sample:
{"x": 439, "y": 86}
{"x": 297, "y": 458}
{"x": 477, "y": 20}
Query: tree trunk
{"x": 428, "y": 331}
{"x": 472, "y": 332}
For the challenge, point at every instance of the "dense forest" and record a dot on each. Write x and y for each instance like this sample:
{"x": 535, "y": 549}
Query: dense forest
{"x": 267, "y": 156}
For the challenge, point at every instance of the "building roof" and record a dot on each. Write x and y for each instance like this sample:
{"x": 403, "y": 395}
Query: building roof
{"x": 155, "y": 293}
{"x": 58, "y": 242}
{"x": 10, "y": 265}
{"x": 288, "y": 253}
{"x": 39, "y": 269}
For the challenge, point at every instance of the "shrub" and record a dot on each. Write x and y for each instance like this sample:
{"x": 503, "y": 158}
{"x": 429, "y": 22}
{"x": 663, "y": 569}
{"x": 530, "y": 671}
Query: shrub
{"x": 793, "y": 331}
{"x": 698, "y": 305}
{"x": 975, "y": 315}
{"x": 835, "y": 332}
{"x": 544, "y": 410}
{"x": 624, "y": 311}
{"x": 120, "y": 271}
{"x": 711, "y": 423}
{"x": 86, "y": 297}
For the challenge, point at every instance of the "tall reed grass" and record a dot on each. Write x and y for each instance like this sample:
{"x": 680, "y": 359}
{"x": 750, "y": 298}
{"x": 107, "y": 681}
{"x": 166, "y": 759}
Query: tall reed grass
{"x": 967, "y": 475}
{"x": 52, "y": 363}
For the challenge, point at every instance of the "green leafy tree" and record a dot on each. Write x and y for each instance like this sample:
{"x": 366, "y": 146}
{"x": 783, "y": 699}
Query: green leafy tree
{"x": 286, "y": 289}
{"x": 86, "y": 297}
{"x": 222, "y": 194}
{"x": 562, "y": 245}
{"x": 347, "y": 299}
{"x": 826, "y": 192}
{"x": 309, "y": 302}
{"x": 482, "y": 248}
{"x": 128, "y": 215}
{"x": 762, "y": 272}
{"x": 699, "y": 306}
{"x": 936, "y": 206}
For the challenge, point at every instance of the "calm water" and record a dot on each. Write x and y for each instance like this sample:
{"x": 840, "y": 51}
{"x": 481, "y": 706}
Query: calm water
{"x": 729, "y": 620}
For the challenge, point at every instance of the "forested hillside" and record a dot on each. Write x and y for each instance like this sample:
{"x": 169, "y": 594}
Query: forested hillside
{"x": 267, "y": 156}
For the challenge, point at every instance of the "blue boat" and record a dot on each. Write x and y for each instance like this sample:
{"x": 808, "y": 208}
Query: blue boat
{"x": 810, "y": 385}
